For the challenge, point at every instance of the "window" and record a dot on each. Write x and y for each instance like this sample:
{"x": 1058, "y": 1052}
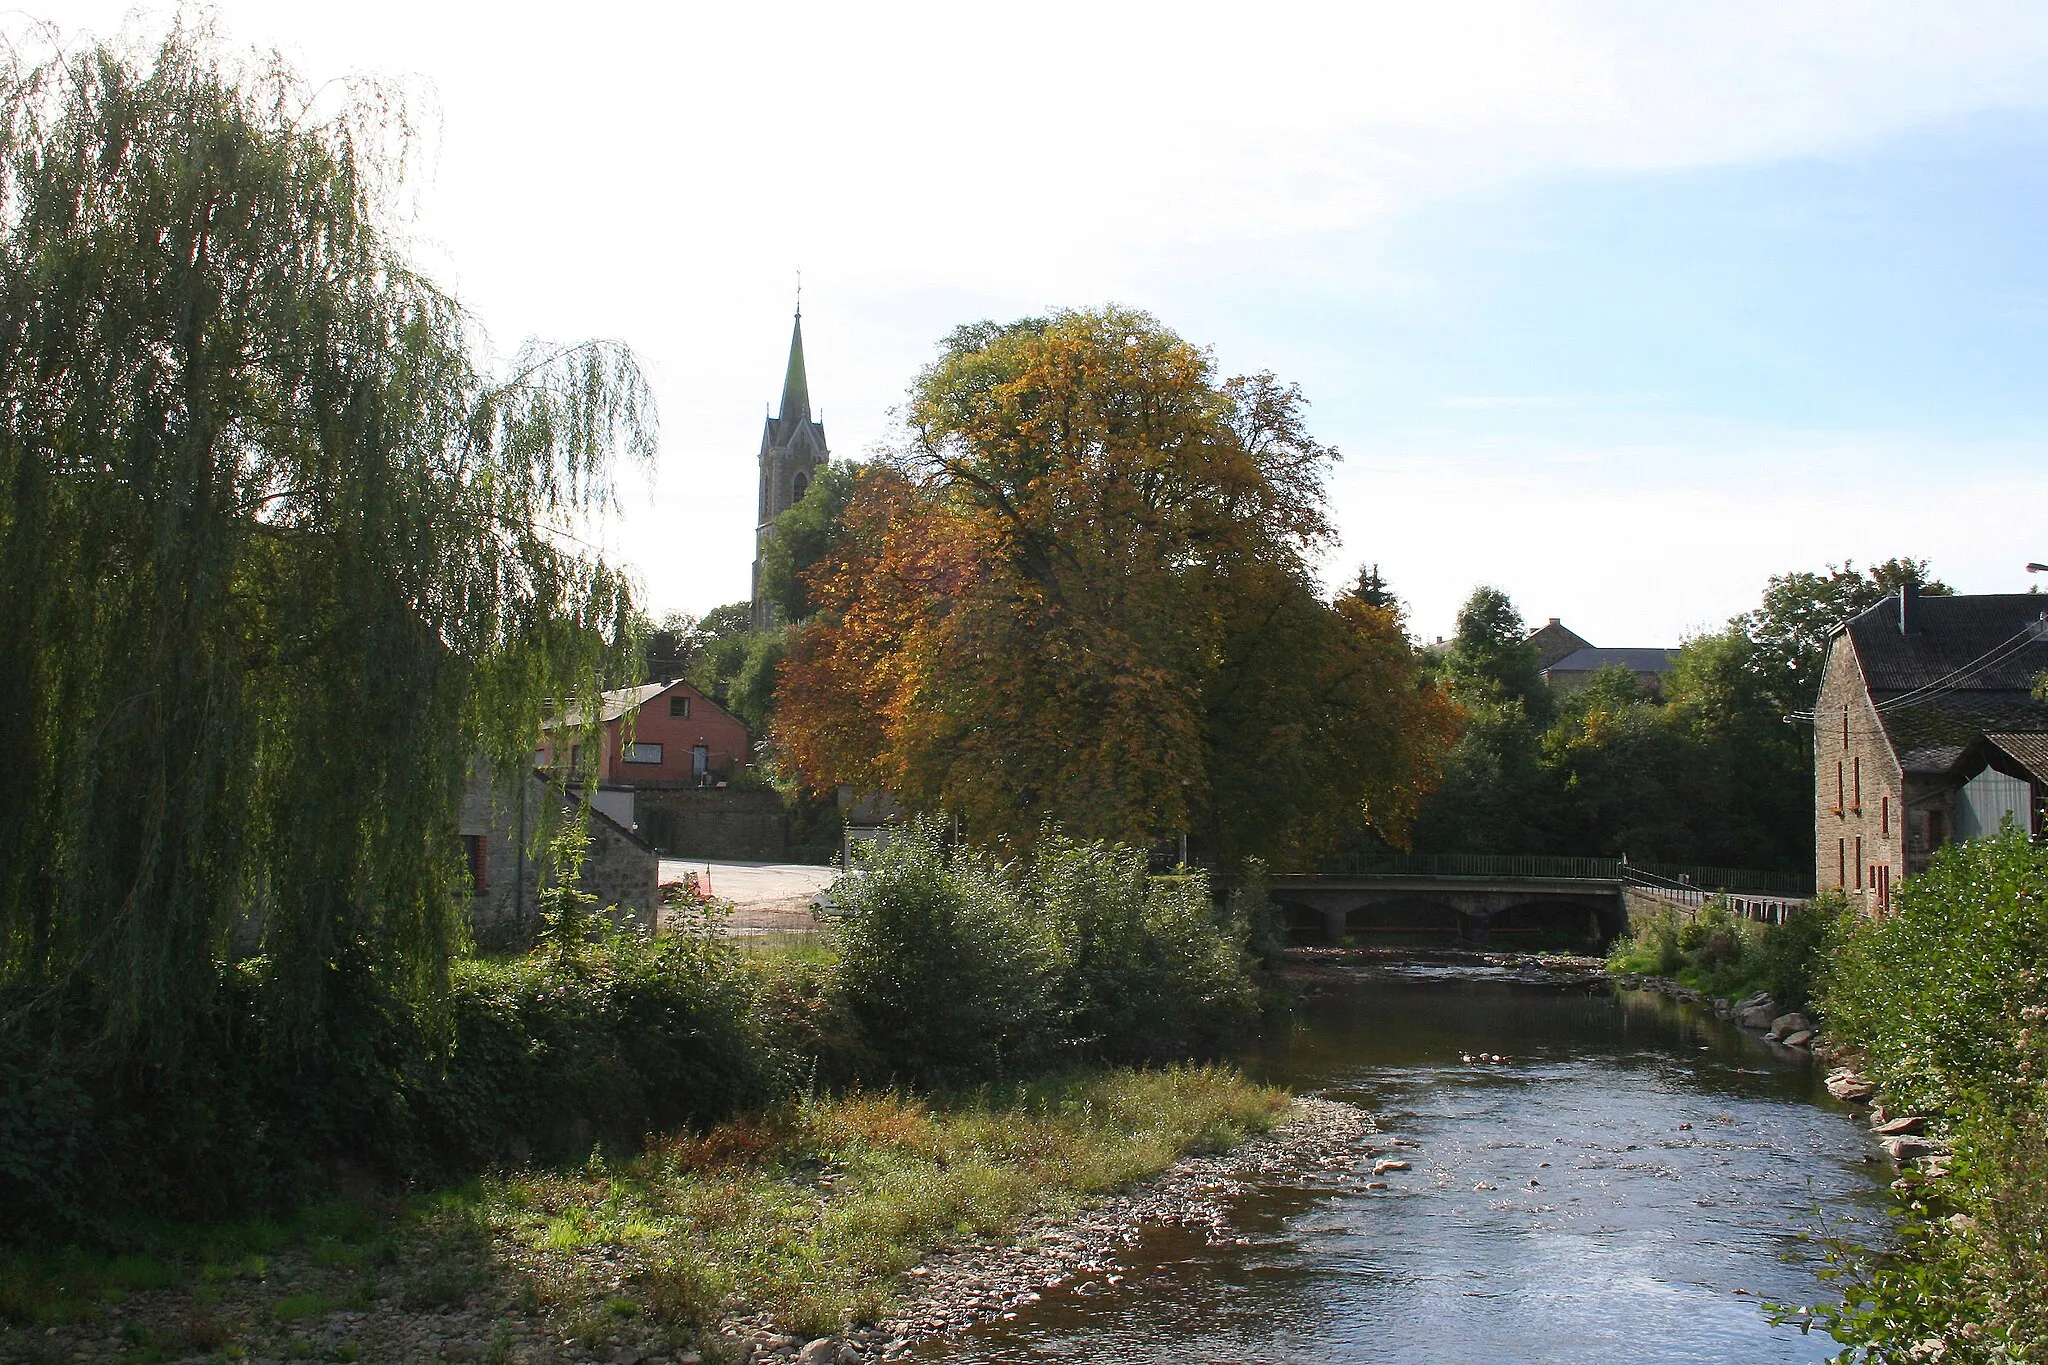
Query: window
{"x": 643, "y": 753}
{"x": 1859, "y": 862}
{"x": 679, "y": 707}
{"x": 1838, "y": 789}
{"x": 1845, "y": 727}
{"x": 476, "y": 847}
{"x": 1884, "y": 815}
{"x": 1841, "y": 862}
{"x": 1859, "y": 784}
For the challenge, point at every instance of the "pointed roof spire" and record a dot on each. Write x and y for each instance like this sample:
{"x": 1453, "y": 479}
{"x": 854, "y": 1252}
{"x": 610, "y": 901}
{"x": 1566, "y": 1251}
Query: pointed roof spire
{"x": 796, "y": 388}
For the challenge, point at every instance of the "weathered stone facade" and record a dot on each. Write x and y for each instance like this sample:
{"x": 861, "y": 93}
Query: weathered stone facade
{"x": 1925, "y": 730}
{"x": 499, "y": 824}
{"x": 1861, "y": 799}
{"x": 743, "y": 826}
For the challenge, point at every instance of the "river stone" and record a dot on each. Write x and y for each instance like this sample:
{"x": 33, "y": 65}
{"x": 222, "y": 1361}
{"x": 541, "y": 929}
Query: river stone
{"x": 1847, "y": 1085}
{"x": 1905, "y": 1148}
{"x": 1803, "y": 1038}
{"x": 1901, "y": 1126}
{"x": 1786, "y": 1024}
{"x": 1382, "y": 1167}
{"x": 1756, "y": 1016}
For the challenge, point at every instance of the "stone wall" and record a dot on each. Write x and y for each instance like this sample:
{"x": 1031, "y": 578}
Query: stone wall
{"x": 618, "y": 868}
{"x": 739, "y": 826}
{"x": 1859, "y": 815}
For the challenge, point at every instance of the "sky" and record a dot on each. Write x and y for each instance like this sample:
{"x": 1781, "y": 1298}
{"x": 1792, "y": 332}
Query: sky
{"x": 1619, "y": 307}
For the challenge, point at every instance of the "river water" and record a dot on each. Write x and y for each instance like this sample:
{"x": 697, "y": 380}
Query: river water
{"x": 1629, "y": 1185}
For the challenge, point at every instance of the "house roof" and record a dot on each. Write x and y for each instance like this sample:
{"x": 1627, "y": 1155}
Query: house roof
{"x": 617, "y": 703}
{"x": 1555, "y": 640}
{"x": 2028, "y": 751}
{"x": 1634, "y": 660}
{"x": 1968, "y": 670}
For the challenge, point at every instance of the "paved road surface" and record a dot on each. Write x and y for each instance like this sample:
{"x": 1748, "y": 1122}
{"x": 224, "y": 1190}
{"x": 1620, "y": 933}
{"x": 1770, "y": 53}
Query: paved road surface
{"x": 766, "y": 895}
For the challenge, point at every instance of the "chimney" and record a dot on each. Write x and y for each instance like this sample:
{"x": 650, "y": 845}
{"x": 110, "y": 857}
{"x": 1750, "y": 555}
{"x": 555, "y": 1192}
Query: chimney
{"x": 1553, "y": 620}
{"x": 1909, "y": 609}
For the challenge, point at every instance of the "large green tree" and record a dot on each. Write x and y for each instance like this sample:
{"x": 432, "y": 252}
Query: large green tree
{"x": 280, "y": 548}
{"x": 1079, "y": 593}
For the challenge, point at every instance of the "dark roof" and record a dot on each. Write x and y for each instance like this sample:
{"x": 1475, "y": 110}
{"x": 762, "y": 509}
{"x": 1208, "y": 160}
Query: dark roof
{"x": 796, "y": 385}
{"x": 1554, "y": 641}
{"x": 2028, "y": 751}
{"x": 1955, "y": 633}
{"x": 1968, "y": 670}
{"x": 1634, "y": 660}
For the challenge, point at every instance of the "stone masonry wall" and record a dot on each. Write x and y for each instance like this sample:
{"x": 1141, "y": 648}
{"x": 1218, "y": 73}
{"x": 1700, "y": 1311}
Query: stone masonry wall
{"x": 1859, "y": 815}
{"x": 742, "y": 826}
{"x": 619, "y": 869}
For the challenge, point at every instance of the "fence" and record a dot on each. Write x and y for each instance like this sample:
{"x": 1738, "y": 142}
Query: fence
{"x": 1743, "y": 881}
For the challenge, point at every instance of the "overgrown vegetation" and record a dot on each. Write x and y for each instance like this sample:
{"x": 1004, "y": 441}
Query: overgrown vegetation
{"x": 279, "y": 540}
{"x": 957, "y": 965}
{"x": 1723, "y": 954}
{"x": 1947, "y": 1001}
{"x": 1706, "y": 770}
{"x": 806, "y": 1210}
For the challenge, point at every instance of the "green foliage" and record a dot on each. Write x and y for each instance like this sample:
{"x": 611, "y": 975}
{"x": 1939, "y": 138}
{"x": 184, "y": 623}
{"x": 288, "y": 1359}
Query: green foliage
{"x": 279, "y": 562}
{"x": 804, "y": 535}
{"x": 1936, "y": 993}
{"x": 1947, "y": 1000}
{"x": 955, "y": 966}
{"x": 1491, "y": 659}
{"x": 1789, "y": 630}
{"x": 1723, "y": 955}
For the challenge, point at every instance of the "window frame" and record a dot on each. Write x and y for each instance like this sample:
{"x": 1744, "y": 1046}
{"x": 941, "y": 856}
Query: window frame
{"x": 633, "y": 751}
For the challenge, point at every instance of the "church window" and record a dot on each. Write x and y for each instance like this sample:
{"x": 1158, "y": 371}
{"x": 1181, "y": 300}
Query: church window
{"x": 803, "y": 481}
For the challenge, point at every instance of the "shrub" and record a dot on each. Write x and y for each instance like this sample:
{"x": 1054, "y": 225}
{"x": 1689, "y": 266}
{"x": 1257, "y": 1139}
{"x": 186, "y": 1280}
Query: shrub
{"x": 958, "y": 968}
{"x": 1722, "y": 954}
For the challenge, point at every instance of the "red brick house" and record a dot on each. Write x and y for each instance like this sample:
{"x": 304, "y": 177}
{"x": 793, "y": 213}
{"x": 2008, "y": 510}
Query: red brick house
{"x": 657, "y": 735}
{"x": 1926, "y": 731}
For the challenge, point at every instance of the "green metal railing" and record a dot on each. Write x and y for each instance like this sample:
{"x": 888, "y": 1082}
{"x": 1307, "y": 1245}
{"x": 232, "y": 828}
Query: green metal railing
{"x": 1549, "y": 866}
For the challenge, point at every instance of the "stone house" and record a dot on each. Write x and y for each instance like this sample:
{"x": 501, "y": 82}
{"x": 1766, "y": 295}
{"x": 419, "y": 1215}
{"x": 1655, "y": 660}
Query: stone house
{"x": 1925, "y": 731}
{"x": 1568, "y": 660}
{"x": 499, "y": 824}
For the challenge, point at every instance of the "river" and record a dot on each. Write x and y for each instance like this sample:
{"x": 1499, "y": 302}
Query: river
{"x": 1630, "y": 1184}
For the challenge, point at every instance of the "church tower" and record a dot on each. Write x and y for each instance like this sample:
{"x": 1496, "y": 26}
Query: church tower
{"x": 792, "y": 448}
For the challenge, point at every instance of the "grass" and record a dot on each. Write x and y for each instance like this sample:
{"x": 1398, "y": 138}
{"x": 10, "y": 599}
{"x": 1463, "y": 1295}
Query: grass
{"x": 808, "y": 1211}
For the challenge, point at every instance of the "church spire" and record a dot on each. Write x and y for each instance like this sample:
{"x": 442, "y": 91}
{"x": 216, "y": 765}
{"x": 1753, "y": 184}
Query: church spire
{"x": 796, "y": 388}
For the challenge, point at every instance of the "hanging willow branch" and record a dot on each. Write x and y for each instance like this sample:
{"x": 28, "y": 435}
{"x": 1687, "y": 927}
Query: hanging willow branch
{"x": 273, "y": 543}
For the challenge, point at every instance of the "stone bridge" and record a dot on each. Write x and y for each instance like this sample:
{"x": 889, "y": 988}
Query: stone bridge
{"x": 1404, "y": 907}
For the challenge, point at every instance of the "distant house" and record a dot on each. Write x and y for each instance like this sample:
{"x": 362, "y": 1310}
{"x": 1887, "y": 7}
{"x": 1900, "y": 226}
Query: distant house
{"x": 1554, "y": 641}
{"x": 1568, "y": 660}
{"x": 1926, "y": 731}
{"x": 657, "y": 735}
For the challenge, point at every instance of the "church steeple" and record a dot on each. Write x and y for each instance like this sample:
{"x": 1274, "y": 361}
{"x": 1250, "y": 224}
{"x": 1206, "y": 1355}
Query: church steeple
{"x": 796, "y": 386}
{"x": 792, "y": 451}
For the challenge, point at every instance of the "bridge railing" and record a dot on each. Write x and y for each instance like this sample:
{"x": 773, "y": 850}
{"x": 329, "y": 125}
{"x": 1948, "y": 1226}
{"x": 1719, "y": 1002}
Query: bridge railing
{"x": 1539, "y": 865}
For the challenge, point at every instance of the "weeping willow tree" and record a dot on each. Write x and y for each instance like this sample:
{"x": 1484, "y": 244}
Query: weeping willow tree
{"x": 283, "y": 552}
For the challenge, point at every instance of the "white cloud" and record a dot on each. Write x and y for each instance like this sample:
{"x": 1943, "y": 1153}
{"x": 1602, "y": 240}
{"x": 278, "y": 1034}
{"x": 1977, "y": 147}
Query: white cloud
{"x": 656, "y": 172}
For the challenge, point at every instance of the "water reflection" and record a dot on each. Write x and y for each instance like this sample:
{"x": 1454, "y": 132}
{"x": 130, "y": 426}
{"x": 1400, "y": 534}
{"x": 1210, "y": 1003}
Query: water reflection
{"x": 1628, "y": 1185}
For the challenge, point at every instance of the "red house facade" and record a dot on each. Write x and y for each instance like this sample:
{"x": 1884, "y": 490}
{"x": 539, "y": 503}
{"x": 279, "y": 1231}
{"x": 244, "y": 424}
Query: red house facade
{"x": 657, "y": 735}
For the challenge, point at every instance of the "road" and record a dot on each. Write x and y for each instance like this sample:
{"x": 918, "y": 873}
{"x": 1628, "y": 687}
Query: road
{"x": 765, "y": 896}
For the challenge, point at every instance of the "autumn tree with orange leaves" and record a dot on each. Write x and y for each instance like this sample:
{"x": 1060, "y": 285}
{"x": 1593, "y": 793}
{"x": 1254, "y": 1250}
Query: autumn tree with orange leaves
{"x": 1078, "y": 592}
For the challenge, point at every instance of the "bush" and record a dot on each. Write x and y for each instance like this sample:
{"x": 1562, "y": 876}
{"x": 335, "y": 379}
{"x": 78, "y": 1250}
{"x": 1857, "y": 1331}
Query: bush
{"x": 1934, "y": 994}
{"x": 1947, "y": 999}
{"x": 1721, "y": 954}
{"x": 956, "y": 967}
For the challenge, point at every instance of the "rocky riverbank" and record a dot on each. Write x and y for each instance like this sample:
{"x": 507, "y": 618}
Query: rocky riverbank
{"x": 1078, "y": 1254}
{"x": 452, "y": 1292}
